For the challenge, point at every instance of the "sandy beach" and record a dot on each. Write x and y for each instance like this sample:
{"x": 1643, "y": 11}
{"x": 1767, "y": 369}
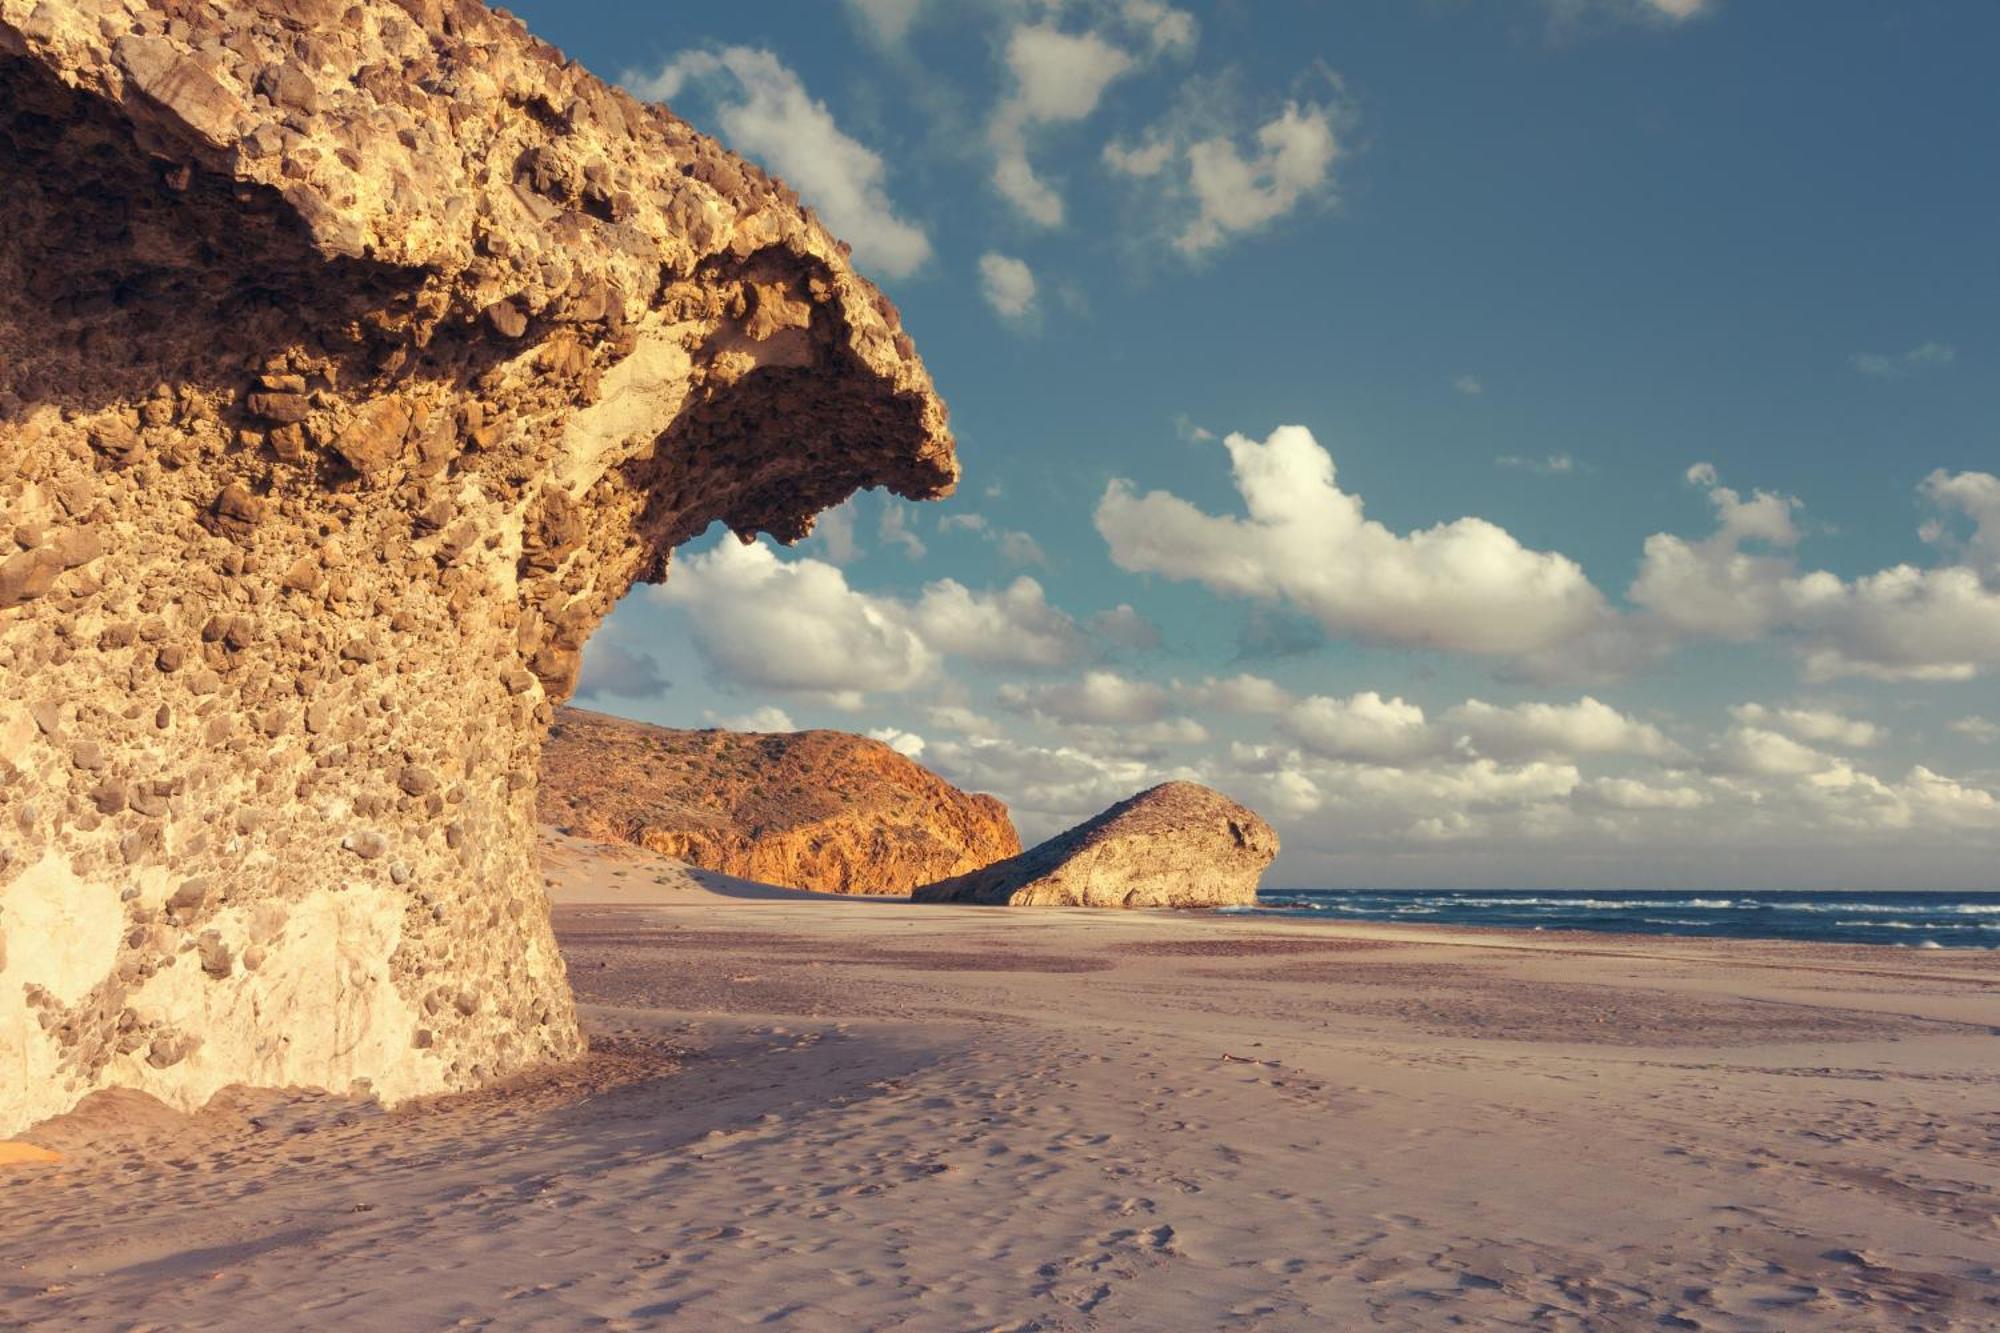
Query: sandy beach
{"x": 823, "y": 1113}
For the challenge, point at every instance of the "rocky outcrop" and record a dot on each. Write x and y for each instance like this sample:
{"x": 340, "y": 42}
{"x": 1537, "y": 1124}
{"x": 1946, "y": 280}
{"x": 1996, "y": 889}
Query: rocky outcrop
{"x": 355, "y": 357}
{"x": 1179, "y": 844}
{"x": 820, "y": 810}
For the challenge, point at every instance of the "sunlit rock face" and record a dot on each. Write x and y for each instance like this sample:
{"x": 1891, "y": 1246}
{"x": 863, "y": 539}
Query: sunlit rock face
{"x": 819, "y": 810}
{"x": 355, "y": 357}
{"x": 1179, "y": 844}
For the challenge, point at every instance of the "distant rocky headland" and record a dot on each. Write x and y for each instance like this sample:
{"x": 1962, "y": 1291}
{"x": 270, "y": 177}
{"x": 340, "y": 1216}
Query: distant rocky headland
{"x": 355, "y": 358}
{"x": 1179, "y": 844}
{"x": 820, "y": 810}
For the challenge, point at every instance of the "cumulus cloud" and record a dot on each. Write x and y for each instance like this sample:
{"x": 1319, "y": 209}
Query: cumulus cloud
{"x": 833, "y": 530}
{"x": 1098, "y": 697}
{"x": 1008, "y": 285}
{"x": 1015, "y": 626}
{"x": 1974, "y": 727}
{"x": 1222, "y": 183}
{"x": 1016, "y": 548}
{"x": 797, "y": 626}
{"x": 1823, "y": 726}
{"x": 612, "y": 669}
{"x": 1464, "y": 586}
{"x": 1363, "y": 726}
{"x": 1902, "y": 623}
{"x": 1047, "y": 787}
{"x": 1126, "y": 628}
{"x": 1544, "y": 730}
{"x": 764, "y": 623}
{"x": 762, "y": 109}
{"x": 889, "y": 20}
{"x": 1240, "y": 693}
{"x": 895, "y": 530}
{"x": 1058, "y": 78}
{"x": 1886, "y": 366}
{"x": 1634, "y": 794}
{"x": 1761, "y": 752}
{"x": 767, "y": 718}
{"x": 906, "y": 743}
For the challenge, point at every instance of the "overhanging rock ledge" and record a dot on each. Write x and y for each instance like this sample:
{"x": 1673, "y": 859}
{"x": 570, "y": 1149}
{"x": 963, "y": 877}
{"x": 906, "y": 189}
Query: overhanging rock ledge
{"x": 355, "y": 358}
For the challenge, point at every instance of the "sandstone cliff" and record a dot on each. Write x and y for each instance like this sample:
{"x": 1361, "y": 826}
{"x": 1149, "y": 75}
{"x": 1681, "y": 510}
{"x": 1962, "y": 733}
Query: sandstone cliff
{"x": 1179, "y": 844}
{"x": 355, "y": 357}
{"x": 820, "y": 810}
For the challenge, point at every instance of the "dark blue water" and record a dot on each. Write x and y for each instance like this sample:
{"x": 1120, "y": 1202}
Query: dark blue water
{"x": 1913, "y": 920}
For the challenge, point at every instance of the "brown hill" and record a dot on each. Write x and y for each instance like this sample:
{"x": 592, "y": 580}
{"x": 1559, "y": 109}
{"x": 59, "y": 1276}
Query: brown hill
{"x": 1179, "y": 844}
{"x": 820, "y": 810}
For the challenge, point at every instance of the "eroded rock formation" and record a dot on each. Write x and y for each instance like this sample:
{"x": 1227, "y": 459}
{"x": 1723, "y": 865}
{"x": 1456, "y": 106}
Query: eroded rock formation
{"x": 821, "y": 810}
{"x": 1179, "y": 844}
{"x": 355, "y": 357}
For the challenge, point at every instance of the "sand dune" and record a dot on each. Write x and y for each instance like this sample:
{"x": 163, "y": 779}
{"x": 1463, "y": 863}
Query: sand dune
{"x": 834, "y": 1114}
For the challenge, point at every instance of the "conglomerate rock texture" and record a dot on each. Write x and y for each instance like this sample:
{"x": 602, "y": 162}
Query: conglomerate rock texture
{"x": 1179, "y": 844}
{"x": 355, "y": 357}
{"x": 821, "y": 810}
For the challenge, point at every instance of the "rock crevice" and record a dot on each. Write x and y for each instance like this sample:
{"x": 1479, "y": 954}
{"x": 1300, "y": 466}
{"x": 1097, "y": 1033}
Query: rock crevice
{"x": 355, "y": 358}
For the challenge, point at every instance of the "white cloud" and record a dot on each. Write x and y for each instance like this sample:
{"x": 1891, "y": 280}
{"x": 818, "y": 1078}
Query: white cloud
{"x": 766, "y": 718}
{"x": 1238, "y": 192}
{"x": 1548, "y": 465}
{"x": 1363, "y": 726}
{"x": 1544, "y": 730}
{"x": 1634, "y": 794}
{"x": 1018, "y": 548}
{"x": 1469, "y": 385}
{"x": 1098, "y": 697}
{"x": 1974, "y": 727}
{"x": 1240, "y": 693}
{"x": 1047, "y": 787}
{"x": 761, "y": 623}
{"x": 1567, "y": 12}
{"x": 1013, "y": 627}
{"x": 1882, "y": 366}
{"x": 1124, "y": 626}
{"x": 1164, "y": 27}
{"x": 1901, "y": 623}
{"x": 611, "y": 668}
{"x": 894, "y": 530}
{"x": 1221, "y": 190}
{"x": 833, "y": 529}
{"x": 906, "y": 743}
{"x": 764, "y": 110}
{"x": 1058, "y": 78}
{"x": 889, "y": 20}
{"x": 1008, "y": 285}
{"x": 1761, "y": 752}
{"x": 1822, "y": 726}
{"x": 1463, "y": 586}
{"x": 1976, "y": 495}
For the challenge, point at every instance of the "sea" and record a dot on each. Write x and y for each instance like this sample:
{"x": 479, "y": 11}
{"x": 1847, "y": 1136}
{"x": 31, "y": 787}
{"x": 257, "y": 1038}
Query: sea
{"x": 1909, "y": 919}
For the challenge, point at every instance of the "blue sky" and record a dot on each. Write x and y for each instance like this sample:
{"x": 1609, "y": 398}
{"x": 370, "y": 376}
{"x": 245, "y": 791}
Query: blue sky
{"x": 1507, "y": 442}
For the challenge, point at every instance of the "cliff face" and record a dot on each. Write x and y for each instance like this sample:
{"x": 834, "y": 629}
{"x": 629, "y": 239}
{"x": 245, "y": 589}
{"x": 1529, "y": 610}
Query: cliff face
{"x": 1179, "y": 844}
{"x": 819, "y": 810}
{"x": 355, "y": 357}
